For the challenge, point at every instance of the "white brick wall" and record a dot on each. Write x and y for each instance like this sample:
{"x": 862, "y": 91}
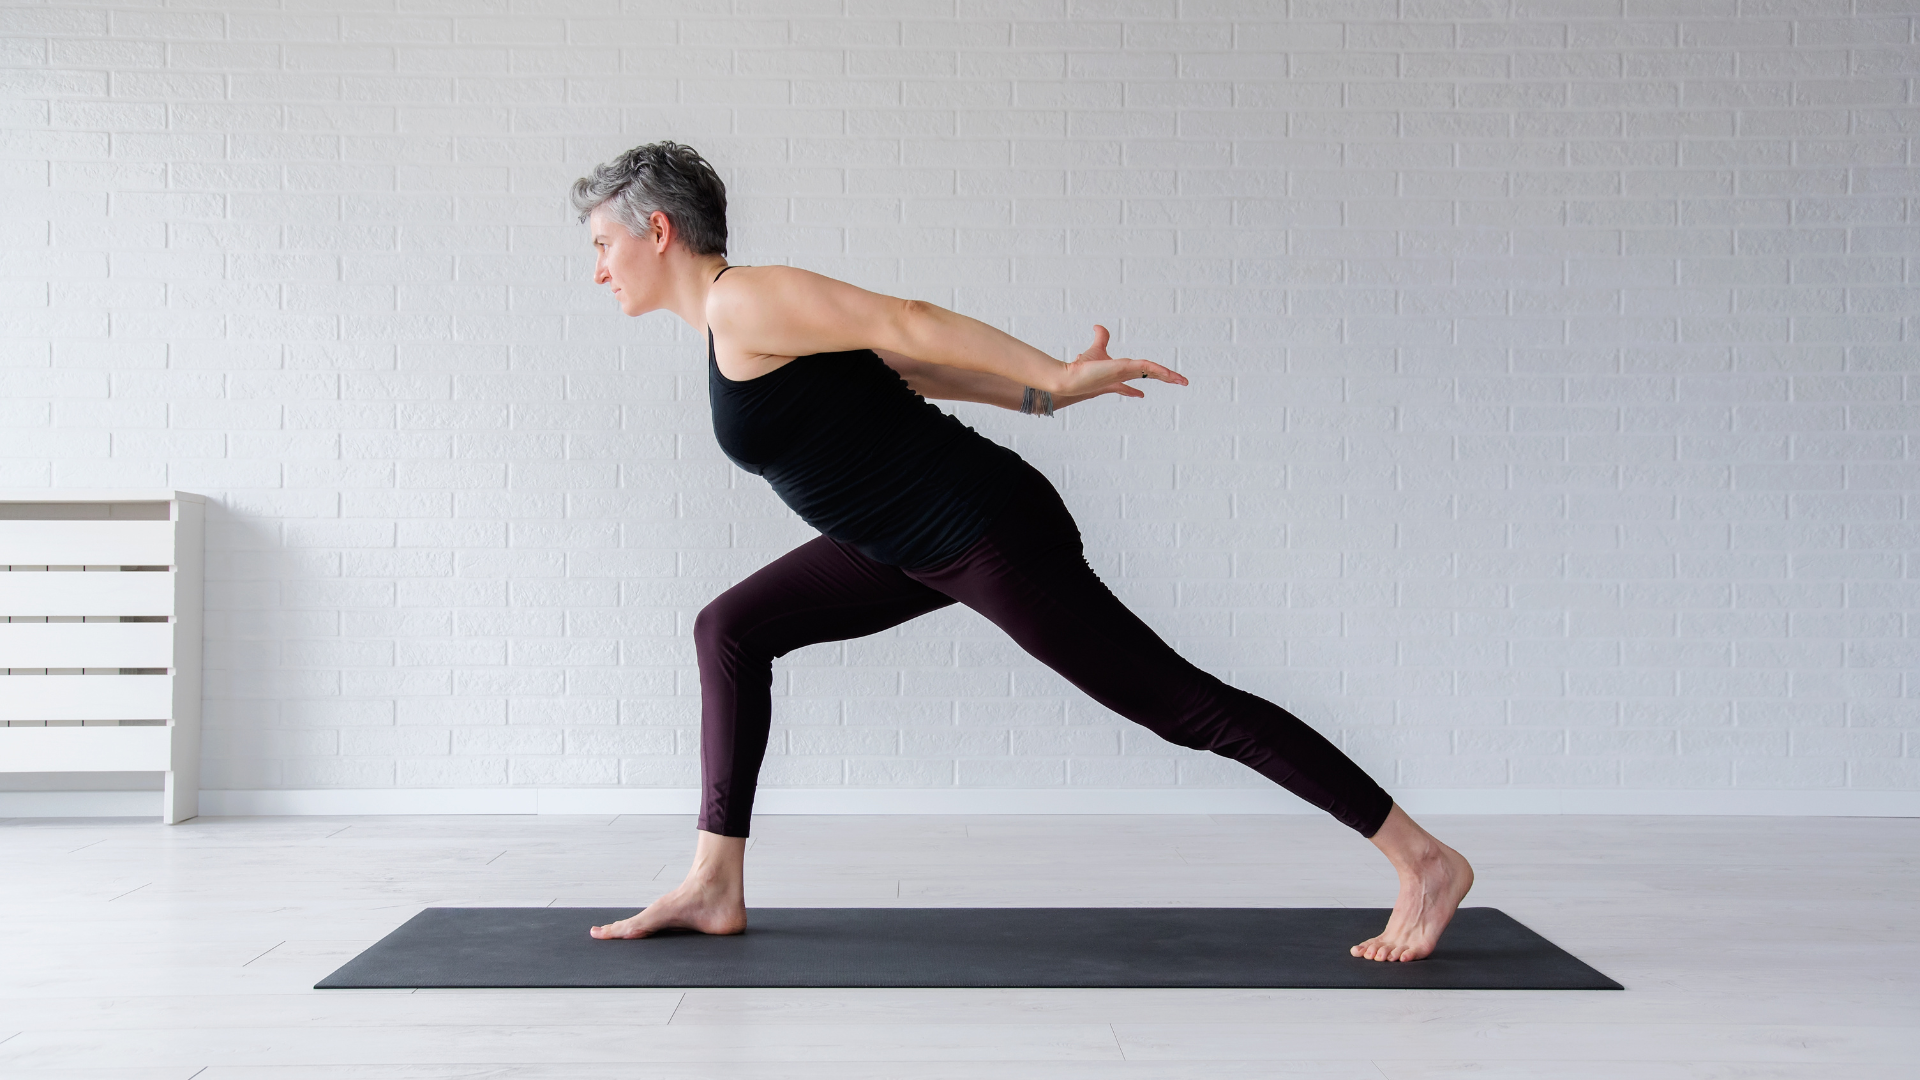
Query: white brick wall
{"x": 1554, "y": 389}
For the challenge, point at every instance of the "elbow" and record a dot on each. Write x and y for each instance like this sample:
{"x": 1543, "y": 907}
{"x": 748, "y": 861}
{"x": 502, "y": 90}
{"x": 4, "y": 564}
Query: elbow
{"x": 913, "y": 325}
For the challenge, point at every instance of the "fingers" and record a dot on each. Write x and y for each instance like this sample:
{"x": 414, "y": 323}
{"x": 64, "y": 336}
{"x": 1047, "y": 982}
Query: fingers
{"x": 1118, "y": 373}
{"x": 1147, "y": 369}
{"x": 1101, "y": 368}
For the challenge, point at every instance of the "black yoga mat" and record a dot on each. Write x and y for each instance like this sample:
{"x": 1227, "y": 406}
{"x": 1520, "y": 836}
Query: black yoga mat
{"x": 1484, "y": 949}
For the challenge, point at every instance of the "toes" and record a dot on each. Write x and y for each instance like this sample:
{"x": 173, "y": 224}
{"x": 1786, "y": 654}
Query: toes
{"x": 1386, "y": 952}
{"x": 1406, "y": 953}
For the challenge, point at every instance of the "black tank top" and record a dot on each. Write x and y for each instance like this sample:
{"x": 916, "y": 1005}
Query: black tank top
{"x": 861, "y": 457}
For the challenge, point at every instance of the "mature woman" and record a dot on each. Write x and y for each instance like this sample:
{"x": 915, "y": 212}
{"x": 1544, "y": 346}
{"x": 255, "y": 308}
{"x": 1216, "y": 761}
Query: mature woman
{"x": 821, "y": 387}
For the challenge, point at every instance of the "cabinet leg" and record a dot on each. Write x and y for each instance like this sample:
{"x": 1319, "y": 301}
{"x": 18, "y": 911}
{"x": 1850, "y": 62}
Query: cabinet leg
{"x": 180, "y": 801}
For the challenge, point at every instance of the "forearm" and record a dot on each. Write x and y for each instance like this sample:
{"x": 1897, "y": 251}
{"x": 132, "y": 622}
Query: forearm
{"x": 935, "y": 335}
{"x": 940, "y": 382}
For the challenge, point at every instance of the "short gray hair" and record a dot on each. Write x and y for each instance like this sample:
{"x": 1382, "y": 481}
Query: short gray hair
{"x": 664, "y": 176}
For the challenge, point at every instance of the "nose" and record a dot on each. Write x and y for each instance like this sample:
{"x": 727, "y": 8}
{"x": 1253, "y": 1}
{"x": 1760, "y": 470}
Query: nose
{"x": 600, "y": 275}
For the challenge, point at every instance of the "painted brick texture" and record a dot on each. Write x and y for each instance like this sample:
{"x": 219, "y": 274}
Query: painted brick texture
{"x": 1554, "y": 376}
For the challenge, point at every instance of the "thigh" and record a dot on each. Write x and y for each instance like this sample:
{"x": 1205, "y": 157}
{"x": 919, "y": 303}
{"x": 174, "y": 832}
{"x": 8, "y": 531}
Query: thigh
{"x": 1030, "y": 577}
{"x": 819, "y": 591}
{"x": 1063, "y": 615}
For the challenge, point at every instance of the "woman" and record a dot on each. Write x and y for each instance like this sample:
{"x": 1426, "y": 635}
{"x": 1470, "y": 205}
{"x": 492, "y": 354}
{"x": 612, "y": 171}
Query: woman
{"x": 820, "y": 387}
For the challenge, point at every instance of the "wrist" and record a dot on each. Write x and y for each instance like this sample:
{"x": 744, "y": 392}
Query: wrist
{"x": 1036, "y": 402}
{"x": 1054, "y": 381}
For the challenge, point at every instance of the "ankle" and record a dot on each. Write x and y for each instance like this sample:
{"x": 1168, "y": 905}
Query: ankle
{"x": 711, "y": 877}
{"x": 1418, "y": 858}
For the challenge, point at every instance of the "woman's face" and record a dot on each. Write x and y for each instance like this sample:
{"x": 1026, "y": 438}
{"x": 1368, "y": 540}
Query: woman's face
{"x": 631, "y": 265}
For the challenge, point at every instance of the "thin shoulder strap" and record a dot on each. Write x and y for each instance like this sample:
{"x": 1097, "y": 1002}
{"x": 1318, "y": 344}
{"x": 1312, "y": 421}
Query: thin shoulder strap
{"x": 716, "y": 277}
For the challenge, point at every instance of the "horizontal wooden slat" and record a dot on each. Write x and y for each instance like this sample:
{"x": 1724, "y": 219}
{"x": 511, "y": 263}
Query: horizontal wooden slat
{"x": 48, "y": 496}
{"x": 86, "y": 543}
{"x": 85, "y": 645}
{"x": 86, "y": 593}
{"x": 84, "y": 749}
{"x": 86, "y": 697}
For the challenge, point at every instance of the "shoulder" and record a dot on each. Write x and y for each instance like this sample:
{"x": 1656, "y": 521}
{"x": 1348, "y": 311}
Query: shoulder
{"x": 745, "y": 292}
{"x": 787, "y": 311}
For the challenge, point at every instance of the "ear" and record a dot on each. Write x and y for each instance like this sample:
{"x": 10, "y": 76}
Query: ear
{"x": 662, "y": 231}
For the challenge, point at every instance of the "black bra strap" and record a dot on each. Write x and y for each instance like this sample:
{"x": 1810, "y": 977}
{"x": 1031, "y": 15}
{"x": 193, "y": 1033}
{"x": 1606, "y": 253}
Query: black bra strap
{"x": 710, "y": 355}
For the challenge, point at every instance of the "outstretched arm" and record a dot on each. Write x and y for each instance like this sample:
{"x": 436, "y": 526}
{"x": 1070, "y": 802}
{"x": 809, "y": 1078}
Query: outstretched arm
{"x": 783, "y": 311}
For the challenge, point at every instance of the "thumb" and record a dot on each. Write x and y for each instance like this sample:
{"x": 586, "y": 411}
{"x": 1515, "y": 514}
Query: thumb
{"x": 1100, "y": 338}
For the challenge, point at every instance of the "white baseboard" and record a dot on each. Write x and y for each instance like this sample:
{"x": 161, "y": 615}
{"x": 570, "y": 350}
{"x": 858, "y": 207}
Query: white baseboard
{"x": 37, "y": 804}
{"x": 596, "y": 801}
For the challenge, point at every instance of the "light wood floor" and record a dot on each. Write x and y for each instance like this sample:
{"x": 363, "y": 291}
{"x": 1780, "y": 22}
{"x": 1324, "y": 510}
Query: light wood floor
{"x": 1750, "y": 947}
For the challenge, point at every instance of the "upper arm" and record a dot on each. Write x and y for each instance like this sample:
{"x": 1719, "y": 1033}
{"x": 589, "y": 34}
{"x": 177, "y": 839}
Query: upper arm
{"x": 786, "y": 311}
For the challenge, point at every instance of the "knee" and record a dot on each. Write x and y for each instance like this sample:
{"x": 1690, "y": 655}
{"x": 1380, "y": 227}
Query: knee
{"x": 718, "y": 632}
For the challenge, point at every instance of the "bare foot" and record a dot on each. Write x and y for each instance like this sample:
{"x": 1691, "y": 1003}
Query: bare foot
{"x": 1434, "y": 878}
{"x": 709, "y": 910}
{"x": 712, "y": 900}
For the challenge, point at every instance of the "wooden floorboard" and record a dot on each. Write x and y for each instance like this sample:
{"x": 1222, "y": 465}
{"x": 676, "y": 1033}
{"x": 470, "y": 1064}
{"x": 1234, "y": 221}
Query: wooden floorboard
{"x": 1751, "y": 949}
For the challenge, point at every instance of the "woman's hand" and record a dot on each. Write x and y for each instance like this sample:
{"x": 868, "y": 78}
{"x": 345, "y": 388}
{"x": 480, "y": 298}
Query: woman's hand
{"x": 1093, "y": 373}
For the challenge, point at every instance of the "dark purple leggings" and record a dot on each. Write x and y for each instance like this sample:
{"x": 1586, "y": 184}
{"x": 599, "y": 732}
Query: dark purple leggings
{"x": 1027, "y": 575}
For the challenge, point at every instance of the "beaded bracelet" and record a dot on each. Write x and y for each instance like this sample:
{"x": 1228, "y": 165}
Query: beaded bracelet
{"x": 1027, "y": 402}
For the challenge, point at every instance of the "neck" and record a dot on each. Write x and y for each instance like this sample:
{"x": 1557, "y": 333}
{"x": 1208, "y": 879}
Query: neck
{"x": 692, "y": 280}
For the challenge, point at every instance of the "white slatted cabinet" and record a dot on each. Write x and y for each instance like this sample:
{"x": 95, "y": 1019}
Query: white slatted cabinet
{"x": 100, "y": 602}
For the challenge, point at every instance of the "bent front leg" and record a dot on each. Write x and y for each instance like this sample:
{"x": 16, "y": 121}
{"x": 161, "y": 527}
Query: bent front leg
{"x": 820, "y": 591}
